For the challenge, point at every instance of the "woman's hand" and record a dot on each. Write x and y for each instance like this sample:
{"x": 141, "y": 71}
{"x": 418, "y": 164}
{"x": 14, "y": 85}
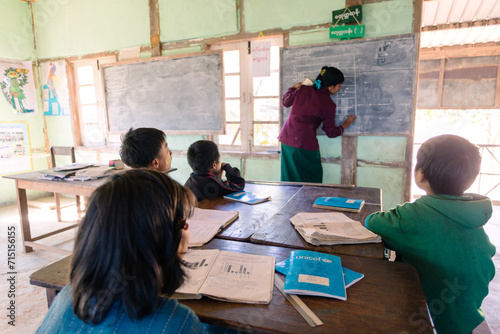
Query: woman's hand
{"x": 350, "y": 119}
{"x": 297, "y": 85}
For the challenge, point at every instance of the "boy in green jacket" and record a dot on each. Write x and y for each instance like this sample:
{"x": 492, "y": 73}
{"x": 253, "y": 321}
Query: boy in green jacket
{"x": 442, "y": 234}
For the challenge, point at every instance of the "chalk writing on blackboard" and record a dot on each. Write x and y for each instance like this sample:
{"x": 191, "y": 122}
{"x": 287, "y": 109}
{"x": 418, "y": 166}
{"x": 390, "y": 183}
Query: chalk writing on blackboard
{"x": 379, "y": 82}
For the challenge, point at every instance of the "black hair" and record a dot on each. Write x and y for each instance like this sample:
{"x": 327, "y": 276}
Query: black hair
{"x": 126, "y": 246}
{"x": 141, "y": 146}
{"x": 328, "y": 76}
{"x": 202, "y": 154}
{"x": 449, "y": 163}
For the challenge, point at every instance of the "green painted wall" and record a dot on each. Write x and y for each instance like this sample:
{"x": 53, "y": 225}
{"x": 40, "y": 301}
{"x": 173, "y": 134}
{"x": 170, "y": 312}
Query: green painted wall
{"x": 264, "y": 14}
{"x": 181, "y": 19}
{"x": 16, "y": 37}
{"x": 78, "y": 27}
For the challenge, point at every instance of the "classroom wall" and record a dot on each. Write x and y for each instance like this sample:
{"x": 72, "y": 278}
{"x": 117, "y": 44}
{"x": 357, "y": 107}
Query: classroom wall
{"x": 78, "y": 28}
{"x": 17, "y": 43}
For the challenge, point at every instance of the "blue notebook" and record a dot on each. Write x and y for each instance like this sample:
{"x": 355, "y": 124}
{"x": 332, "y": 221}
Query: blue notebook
{"x": 350, "y": 276}
{"x": 247, "y": 197}
{"x": 339, "y": 204}
{"x": 315, "y": 274}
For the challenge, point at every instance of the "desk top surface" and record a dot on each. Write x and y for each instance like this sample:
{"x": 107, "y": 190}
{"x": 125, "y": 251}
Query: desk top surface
{"x": 266, "y": 223}
{"x": 278, "y": 230}
{"x": 388, "y": 299}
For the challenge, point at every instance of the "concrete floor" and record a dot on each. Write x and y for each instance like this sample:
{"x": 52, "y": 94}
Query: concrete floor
{"x": 31, "y": 304}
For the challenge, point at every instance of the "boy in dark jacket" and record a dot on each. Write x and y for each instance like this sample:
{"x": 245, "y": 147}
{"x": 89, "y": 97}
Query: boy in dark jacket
{"x": 206, "y": 179}
{"x": 442, "y": 234}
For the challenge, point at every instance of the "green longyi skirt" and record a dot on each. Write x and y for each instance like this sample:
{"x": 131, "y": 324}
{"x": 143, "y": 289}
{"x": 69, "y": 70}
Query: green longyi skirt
{"x": 299, "y": 165}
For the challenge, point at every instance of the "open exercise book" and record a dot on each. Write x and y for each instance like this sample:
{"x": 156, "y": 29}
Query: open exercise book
{"x": 228, "y": 276}
{"x": 331, "y": 228}
{"x": 204, "y": 224}
{"x": 317, "y": 274}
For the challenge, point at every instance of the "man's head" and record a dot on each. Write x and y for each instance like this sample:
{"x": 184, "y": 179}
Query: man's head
{"x": 203, "y": 156}
{"x": 146, "y": 148}
{"x": 447, "y": 165}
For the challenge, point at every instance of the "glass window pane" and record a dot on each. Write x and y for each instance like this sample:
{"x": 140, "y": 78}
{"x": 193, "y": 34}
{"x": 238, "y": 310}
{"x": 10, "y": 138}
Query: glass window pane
{"x": 233, "y": 110}
{"x": 232, "y": 83}
{"x": 265, "y": 134}
{"x": 275, "y": 58}
{"x": 232, "y": 61}
{"x": 89, "y": 113}
{"x": 266, "y": 110}
{"x": 231, "y": 131}
{"x": 266, "y": 86}
{"x": 87, "y": 95}
{"x": 85, "y": 75}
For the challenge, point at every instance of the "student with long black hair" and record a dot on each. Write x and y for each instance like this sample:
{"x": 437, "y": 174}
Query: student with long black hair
{"x": 127, "y": 260}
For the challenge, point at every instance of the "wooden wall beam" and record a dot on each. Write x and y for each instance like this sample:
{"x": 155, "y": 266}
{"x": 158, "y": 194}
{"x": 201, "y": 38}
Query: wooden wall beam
{"x": 461, "y": 51}
{"x": 349, "y": 160}
{"x": 461, "y": 25}
{"x": 154, "y": 28}
{"x": 497, "y": 92}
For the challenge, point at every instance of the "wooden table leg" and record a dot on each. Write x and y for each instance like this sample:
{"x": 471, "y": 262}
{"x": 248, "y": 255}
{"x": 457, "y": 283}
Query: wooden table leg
{"x": 51, "y": 294}
{"x": 22, "y": 204}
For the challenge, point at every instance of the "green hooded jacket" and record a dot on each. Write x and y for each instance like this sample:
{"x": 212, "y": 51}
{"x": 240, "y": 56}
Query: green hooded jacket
{"x": 442, "y": 236}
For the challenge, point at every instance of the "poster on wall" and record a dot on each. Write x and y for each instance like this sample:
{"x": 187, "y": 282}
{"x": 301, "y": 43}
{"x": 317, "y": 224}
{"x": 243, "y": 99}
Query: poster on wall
{"x": 18, "y": 86}
{"x": 55, "y": 89}
{"x": 15, "y": 150}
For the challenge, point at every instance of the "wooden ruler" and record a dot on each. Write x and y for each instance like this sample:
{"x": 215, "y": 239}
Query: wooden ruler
{"x": 299, "y": 305}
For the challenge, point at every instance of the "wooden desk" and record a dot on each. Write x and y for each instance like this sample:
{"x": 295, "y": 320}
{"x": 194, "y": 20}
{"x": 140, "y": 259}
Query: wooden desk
{"x": 31, "y": 181}
{"x": 389, "y": 299}
{"x": 278, "y": 231}
{"x": 251, "y": 217}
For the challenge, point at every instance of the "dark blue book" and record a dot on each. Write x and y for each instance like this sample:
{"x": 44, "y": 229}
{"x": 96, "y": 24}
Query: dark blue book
{"x": 339, "y": 204}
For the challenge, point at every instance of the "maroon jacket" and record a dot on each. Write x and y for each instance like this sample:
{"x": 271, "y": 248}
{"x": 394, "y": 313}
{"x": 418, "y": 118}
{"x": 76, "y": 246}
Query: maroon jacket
{"x": 310, "y": 107}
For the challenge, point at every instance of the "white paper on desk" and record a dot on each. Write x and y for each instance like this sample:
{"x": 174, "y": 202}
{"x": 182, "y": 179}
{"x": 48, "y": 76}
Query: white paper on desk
{"x": 241, "y": 277}
{"x": 319, "y": 217}
{"x": 200, "y": 264}
{"x": 331, "y": 225}
{"x": 202, "y": 233}
{"x": 204, "y": 224}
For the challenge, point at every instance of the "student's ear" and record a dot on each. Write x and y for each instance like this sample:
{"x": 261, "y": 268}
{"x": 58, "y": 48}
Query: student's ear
{"x": 154, "y": 164}
{"x": 419, "y": 177}
{"x": 214, "y": 165}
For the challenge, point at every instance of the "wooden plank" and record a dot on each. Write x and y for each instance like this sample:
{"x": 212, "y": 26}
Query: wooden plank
{"x": 154, "y": 28}
{"x": 278, "y": 231}
{"x": 251, "y": 217}
{"x": 22, "y": 205}
{"x": 349, "y": 160}
{"x": 389, "y": 299}
{"x": 75, "y": 118}
{"x": 462, "y": 25}
{"x": 461, "y": 51}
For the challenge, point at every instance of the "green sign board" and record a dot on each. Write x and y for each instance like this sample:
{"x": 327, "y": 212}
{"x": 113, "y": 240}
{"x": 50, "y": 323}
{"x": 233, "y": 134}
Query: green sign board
{"x": 347, "y": 15}
{"x": 346, "y": 32}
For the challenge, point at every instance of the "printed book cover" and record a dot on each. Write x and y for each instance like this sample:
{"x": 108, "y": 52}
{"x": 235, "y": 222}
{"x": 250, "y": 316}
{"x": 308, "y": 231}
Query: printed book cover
{"x": 247, "y": 197}
{"x": 315, "y": 274}
{"x": 350, "y": 276}
{"x": 339, "y": 203}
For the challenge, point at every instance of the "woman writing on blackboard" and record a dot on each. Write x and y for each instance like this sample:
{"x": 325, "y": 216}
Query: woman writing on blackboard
{"x": 311, "y": 105}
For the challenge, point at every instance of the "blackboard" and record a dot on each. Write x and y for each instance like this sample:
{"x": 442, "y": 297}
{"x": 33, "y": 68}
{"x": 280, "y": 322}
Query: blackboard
{"x": 379, "y": 85}
{"x": 177, "y": 95}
